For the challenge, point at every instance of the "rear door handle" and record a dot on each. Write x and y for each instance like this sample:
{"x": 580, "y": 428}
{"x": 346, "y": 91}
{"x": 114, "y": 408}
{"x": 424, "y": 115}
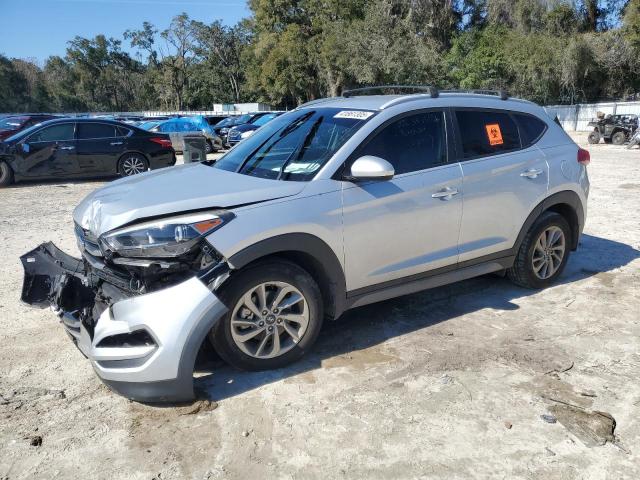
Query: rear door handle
{"x": 116, "y": 143}
{"x": 445, "y": 194}
{"x": 531, "y": 173}
{"x": 67, "y": 148}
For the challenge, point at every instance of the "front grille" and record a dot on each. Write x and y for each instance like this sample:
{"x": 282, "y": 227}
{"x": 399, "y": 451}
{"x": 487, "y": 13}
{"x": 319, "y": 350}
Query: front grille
{"x": 87, "y": 241}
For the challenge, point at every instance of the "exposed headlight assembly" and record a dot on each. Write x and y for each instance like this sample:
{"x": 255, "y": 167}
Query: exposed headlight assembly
{"x": 163, "y": 238}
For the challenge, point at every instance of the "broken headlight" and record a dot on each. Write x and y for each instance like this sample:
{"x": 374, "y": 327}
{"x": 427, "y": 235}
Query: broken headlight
{"x": 164, "y": 238}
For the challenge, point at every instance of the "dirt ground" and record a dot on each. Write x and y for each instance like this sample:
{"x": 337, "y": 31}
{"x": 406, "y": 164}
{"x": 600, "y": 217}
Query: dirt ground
{"x": 475, "y": 380}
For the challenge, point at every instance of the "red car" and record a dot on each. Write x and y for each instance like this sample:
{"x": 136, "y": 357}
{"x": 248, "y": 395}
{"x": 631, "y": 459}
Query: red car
{"x": 14, "y": 123}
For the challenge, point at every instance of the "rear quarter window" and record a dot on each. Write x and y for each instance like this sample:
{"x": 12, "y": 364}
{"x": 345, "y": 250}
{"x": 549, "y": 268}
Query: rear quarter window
{"x": 531, "y": 128}
{"x": 486, "y": 132}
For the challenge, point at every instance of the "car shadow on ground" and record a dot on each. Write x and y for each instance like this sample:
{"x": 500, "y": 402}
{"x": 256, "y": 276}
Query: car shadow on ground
{"x": 61, "y": 182}
{"x": 372, "y": 325}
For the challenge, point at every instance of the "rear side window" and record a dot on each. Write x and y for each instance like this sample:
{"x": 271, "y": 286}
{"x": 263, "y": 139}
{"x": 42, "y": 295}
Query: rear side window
{"x": 95, "y": 130}
{"x": 55, "y": 133}
{"x": 486, "y": 132}
{"x": 530, "y": 127}
{"x": 123, "y": 132}
{"x": 412, "y": 143}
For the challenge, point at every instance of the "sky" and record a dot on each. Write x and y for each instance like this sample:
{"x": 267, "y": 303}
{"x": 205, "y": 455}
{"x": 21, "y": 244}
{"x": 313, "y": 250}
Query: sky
{"x": 36, "y": 29}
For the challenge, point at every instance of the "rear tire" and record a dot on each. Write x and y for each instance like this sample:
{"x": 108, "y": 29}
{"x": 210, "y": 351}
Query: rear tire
{"x": 6, "y": 174}
{"x": 594, "y": 137}
{"x": 618, "y": 138}
{"x": 209, "y": 147}
{"x": 543, "y": 254}
{"x": 245, "y": 336}
{"x": 132, "y": 164}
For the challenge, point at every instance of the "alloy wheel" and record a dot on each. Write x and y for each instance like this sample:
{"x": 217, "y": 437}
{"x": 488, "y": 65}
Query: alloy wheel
{"x": 548, "y": 252}
{"x": 133, "y": 166}
{"x": 269, "y": 320}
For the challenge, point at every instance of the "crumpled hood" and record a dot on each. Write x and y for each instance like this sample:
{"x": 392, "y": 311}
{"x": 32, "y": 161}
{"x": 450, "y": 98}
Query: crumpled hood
{"x": 174, "y": 190}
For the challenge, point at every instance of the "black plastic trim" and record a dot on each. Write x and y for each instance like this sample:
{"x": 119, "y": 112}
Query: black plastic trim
{"x": 310, "y": 245}
{"x": 431, "y": 279}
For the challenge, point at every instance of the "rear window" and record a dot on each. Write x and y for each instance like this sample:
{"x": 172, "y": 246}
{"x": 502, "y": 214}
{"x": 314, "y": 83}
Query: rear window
{"x": 530, "y": 127}
{"x": 96, "y": 130}
{"x": 486, "y": 132}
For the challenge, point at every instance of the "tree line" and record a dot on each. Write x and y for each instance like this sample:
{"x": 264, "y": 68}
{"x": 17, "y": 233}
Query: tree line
{"x": 291, "y": 51}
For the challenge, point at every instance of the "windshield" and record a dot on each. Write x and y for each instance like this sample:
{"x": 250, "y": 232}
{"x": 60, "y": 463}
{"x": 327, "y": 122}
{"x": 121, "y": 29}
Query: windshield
{"x": 294, "y": 146}
{"x": 11, "y": 123}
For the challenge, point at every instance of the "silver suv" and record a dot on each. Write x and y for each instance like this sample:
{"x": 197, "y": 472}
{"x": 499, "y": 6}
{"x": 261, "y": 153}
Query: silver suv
{"x": 340, "y": 203}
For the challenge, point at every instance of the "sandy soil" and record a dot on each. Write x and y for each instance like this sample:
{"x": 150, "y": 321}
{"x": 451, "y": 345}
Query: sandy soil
{"x": 449, "y": 383}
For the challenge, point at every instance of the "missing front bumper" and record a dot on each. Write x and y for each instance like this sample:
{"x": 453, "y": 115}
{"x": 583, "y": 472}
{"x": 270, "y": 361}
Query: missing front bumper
{"x": 177, "y": 318}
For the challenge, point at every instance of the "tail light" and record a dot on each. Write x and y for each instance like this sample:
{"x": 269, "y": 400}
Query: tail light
{"x": 583, "y": 156}
{"x": 163, "y": 142}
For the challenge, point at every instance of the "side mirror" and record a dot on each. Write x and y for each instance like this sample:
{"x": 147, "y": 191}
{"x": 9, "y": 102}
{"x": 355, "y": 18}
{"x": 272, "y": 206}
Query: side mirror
{"x": 370, "y": 168}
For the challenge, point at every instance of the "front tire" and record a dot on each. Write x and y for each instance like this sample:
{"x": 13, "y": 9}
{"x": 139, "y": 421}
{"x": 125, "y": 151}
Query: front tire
{"x": 543, "y": 253}
{"x": 6, "y": 174}
{"x": 594, "y": 137}
{"x": 132, "y": 164}
{"x": 275, "y": 314}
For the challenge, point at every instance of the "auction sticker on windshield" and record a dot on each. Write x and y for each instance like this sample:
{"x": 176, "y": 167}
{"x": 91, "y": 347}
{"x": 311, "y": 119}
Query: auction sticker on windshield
{"x": 357, "y": 114}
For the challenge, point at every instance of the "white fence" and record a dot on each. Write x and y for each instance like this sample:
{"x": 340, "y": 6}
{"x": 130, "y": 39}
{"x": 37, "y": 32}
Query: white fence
{"x": 575, "y": 118}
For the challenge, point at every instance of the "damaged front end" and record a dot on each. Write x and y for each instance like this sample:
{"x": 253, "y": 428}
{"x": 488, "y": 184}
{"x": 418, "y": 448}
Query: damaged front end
{"x": 140, "y": 321}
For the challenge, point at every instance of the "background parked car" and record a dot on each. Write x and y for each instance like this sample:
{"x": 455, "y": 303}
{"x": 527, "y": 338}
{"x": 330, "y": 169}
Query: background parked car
{"x": 215, "y": 119}
{"x": 190, "y": 126}
{"x": 12, "y": 124}
{"x": 222, "y": 128}
{"x": 240, "y": 132}
{"x": 82, "y": 147}
{"x": 148, "y": 125}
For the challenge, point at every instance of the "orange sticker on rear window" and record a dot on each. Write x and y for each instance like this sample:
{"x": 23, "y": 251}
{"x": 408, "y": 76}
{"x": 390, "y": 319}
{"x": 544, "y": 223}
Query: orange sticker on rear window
{"x": 494, "y": 134}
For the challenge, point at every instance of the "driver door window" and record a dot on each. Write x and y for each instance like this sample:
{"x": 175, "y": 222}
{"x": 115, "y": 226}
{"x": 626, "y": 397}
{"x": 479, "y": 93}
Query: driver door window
{"x": 412, "y": 143}
{"x": 55, "y": 133}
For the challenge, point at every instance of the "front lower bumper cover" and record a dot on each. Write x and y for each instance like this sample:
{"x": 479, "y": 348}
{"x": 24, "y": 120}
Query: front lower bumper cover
{"x": 142, "y": 346}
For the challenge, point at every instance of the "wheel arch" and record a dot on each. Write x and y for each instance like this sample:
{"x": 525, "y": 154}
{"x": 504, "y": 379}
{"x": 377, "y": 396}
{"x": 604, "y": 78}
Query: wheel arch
{"x": 566, "y": 203}
{"x": 308, "y": 252}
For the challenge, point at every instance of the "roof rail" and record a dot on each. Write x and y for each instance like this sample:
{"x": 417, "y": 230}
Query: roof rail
{"x": 498, "y": 93}
{"x": 316, "y": 101}
{"x": 432, "y": 91}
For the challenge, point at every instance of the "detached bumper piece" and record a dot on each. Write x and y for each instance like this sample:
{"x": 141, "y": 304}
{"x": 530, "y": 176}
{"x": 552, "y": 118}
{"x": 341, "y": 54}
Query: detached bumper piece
{"x": 143, "y": 347}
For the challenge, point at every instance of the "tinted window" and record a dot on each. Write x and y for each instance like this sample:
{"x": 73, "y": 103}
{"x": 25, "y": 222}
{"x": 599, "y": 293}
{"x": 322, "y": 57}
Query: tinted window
{"x": 414, "y": 142}
{"x": 531, "y": 128}
{"x": 54, "y": 133}
{"x": 123, "y": 132}
{"x": 96, "y": 130}
{"x": 486, "y": 132}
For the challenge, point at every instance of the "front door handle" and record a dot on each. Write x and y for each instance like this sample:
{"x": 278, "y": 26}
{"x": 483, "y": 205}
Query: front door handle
{"x": 69, "y": 147}
{"x": 531, "y": 173}
{"x": 445, "y": 194}
{"x": 116, "y": 143}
